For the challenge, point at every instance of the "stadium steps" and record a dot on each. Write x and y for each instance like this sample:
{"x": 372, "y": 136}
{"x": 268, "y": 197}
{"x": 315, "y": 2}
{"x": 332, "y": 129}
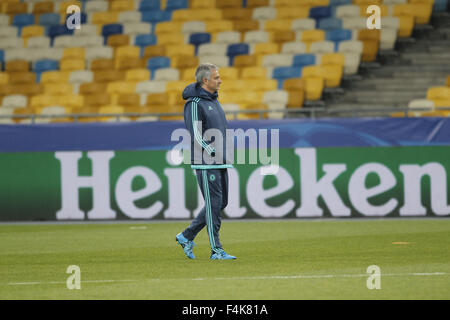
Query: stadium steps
{"x": 401, "y": 75}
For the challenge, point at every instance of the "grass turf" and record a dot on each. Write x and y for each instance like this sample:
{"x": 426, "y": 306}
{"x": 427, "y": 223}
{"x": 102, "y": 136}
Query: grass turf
{"x": 292, "y": 259}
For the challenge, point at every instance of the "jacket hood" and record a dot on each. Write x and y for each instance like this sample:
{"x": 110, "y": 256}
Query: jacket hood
{"x": 194, "y": 90}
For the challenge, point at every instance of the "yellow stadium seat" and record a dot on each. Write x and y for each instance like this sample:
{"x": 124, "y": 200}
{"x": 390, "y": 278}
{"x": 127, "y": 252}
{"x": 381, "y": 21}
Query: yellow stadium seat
{"x": 11, "y": 8}
{"x": 173, "y": 50}
{"x": 110, "y": 109}
{"x": 245, "y": 25}
{"x": 280, "y": 37}
{"x": 171, "y": 39}
{"x": 58, "y": 88}
{"x": 32, "y": 31}
{"x": 184, "y": 62}
{"x": 254, "y": 73}
{"x": 294, "y": 12}
{"x": 188, "y": 74}
{"x": 74, "y": 53}
{"x": 62, "y": 9}
{"x": 22, "y": 77}
{"x": 278, "y": 25}
{"x": 295, "y": 99}
{"x": 367, "y": 2}
{"x": 422, "y": 12}
{"x": 102, "y": 64}
{"x": 257, "y": 3}
{"x": 71, "y": 100}
{"x": 129, "y": 100}
{"x": 43, "y": 7}
{"x": 222, "y": 4}
{"x": 371, "y": 41}
{"x": 228, "y": 73}
{"x": 294, "y": 84}
{"x": 259, "y": 85}
{"x": 403, "y": 9}
{"x": 118, "y": 40}
{"x": 127, "y": 52}
{"x": 93, "y": 88}
{"x": 4, "y": 78}
{"x": 141, "y": 74}
{"x": 43, "y": 100}
{"x": 332, "y": 75}
{"x": 96, "y": 99}
{"x": 316, "y": 3}
{"x": 177, "y": 85}
{"x": 168, "y": 27}
{"x": 154, "y": 51}
{"x": 121, "y": 5}
{"x": 108, "y": 75}
{"x": 447, "y": 81}
{"x": 107, "y": 17}
{"x": 204, "y": 4}
{"x": 183, "y": 15}
{"x": 266, "y": 48}
{"x": 155, "y": 99}
{"x": 310, "y": 36}
{"x": 72, "y": 64}
{"x": 243, "y": 61}
{"x": 313, "y": 88}
{"x": 17, "y": 66}
{"x": 241, "y": 97}
{"x": 237, "y": 14}
{"x": 333, "y": 59}
{"x": 121, "y": 87}
{"x": 176, "y": 99}
{"x": 219, "y": 26}
{"x": 406, "y": 26}
{"x": 440, "y": 96}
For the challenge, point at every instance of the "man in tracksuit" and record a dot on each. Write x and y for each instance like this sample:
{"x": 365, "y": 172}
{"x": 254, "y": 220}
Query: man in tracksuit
{"x": 206, "y": 122}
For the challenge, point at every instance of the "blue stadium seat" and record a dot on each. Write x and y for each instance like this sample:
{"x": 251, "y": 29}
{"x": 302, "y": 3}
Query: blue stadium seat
{"x": 22, "y": 20}
{"x": 283, "y": 73}
{"x": 156, "y": 16}
{"x": 110, "y": 29}
{"x": 156, "y": 63}
{"x": 149, "y": 5}
{"x": 320, "y": 12}
{"x": 330, "y": 23}
{"x": 237, "y": 49}
{"x": 199, "y": 38}
{"x": 49, "y": 19}
{"x": 339, "y": 2}
{"x": 59, "y": 30}
{"x": 305, "y": 59}
{"x": 337, "y": 36}
{"x": 143, "y": 40}
{"x": 44, "y": 65}
{"x": 176, "y": 4}
{"x": 2, "y": 55}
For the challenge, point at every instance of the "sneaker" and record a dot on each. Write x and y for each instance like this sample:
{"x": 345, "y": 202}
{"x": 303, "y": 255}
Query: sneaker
{"x": 220, "y": 254}
{"x": 186, "y": 244}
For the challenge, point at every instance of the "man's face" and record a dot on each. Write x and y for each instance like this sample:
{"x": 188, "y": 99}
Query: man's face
{"x": 213, "y": 83}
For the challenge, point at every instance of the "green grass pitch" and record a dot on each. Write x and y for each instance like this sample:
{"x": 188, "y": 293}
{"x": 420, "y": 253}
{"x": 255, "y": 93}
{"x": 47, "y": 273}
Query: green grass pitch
{"x": 289, "y": 260}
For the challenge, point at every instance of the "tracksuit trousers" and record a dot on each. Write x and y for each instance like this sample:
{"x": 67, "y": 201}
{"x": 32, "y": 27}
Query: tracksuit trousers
{"x": 213, "y": 184}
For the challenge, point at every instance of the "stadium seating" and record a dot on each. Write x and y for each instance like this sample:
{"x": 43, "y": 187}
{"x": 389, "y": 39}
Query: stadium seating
{"x": 127, "y": 53}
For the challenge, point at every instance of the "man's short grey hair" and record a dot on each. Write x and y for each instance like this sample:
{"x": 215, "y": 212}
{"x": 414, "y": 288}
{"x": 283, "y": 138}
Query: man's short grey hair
{"x": 204, "y": 72}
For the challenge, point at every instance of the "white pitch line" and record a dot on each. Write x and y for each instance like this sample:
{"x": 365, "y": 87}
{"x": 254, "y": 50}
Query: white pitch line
{"x": 318, "y": 276}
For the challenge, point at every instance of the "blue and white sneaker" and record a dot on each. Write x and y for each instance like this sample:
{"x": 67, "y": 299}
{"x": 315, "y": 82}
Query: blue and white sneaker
{"x": 220, "y": 254}
{"x": 186, "y": 244}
